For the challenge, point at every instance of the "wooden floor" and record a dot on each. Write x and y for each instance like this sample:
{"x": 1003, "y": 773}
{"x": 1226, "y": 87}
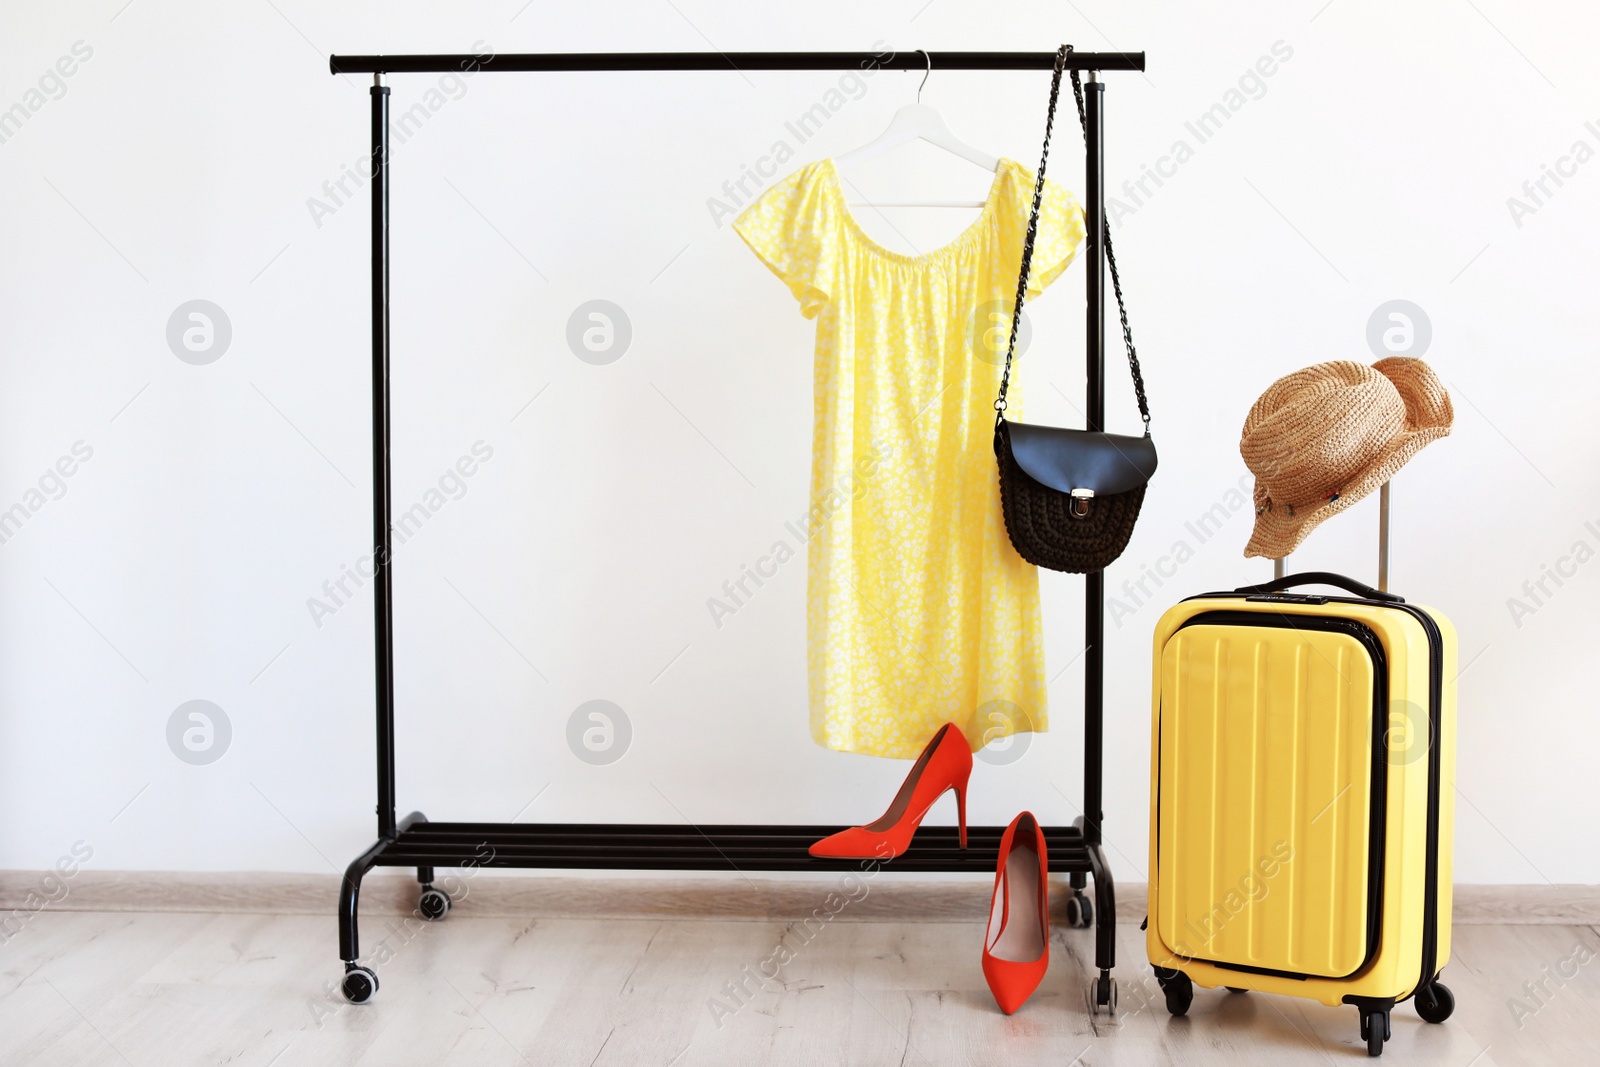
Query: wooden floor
{"x": 140, "y": 989}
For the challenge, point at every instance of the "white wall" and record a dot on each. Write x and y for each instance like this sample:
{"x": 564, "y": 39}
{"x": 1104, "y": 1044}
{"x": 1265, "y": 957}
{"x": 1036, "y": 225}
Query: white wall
{"x": 178, "y": 563}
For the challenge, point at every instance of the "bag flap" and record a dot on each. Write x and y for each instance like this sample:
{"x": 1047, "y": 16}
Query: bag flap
{"x": 1064, "y": 460}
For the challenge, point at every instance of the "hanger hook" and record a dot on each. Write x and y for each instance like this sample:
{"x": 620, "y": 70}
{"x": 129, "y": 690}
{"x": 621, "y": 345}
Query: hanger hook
{"x": 925, "y": 74}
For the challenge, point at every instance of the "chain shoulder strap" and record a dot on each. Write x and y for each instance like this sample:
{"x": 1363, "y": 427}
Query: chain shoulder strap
{"x": 1032, "y": 234}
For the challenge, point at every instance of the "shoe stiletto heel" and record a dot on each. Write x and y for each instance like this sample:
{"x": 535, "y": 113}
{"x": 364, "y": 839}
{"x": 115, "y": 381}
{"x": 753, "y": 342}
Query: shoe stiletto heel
{"x": 945, "y": 764}
{"x": 1016, "y": 947}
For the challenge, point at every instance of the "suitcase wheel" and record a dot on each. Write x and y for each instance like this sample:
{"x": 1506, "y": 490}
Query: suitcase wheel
{"x": 1080, "y": 913}
{"x": 1177, "y": 988}
{"x": 1435, "y": 1002}
{"x": 1374, "y": 1030}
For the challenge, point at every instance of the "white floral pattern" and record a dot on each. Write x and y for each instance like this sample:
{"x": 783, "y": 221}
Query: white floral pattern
{"x": 919, "y": 612}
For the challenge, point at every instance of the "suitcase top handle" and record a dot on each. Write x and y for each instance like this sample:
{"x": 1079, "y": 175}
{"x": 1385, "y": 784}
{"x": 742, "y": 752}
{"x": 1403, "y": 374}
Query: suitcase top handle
{"x": 1289, "y": 581}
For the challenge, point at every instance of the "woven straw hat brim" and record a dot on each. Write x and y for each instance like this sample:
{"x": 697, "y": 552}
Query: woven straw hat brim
{"x": 1277, "y": 533}
{"x": 1429, "y": 416}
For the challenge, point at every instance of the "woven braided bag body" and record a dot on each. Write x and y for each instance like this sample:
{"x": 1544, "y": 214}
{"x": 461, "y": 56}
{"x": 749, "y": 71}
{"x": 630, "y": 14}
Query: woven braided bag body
{"x": 1044, "y": 525}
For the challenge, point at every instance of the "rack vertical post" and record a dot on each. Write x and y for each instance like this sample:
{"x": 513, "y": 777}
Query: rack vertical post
{"x": 1094, "y": 583}
{"x": 382, "y": 538}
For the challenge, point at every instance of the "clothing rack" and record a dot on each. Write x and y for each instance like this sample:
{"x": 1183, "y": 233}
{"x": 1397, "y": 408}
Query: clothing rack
{"x": 413, "y": 841}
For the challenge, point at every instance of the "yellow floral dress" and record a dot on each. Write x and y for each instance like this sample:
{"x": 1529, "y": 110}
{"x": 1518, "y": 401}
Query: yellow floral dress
{"x": 919, "y": 611}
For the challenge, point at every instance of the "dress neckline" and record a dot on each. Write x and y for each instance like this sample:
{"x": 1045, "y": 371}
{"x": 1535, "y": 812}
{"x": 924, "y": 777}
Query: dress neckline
{"x": 961, "y": 240}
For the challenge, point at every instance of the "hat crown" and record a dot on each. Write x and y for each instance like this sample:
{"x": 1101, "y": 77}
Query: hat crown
{"x": 1322, "y": 438}
{"x": 1316, "y": 430}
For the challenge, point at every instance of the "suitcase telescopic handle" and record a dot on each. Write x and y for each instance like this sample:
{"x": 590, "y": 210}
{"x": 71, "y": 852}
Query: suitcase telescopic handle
{"x": 1289, "y": 581}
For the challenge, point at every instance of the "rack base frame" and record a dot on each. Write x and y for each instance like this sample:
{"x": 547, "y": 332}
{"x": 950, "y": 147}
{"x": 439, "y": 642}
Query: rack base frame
{"x": 413, "y": 841}
{"x": 736, "y": 848}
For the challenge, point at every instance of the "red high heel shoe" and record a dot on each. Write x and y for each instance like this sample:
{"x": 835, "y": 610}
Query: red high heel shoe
{"x": 945, "y": 764}
{"x": 1016, "y": 949}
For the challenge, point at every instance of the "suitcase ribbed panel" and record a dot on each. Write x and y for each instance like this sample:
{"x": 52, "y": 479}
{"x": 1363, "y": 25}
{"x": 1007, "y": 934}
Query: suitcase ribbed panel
{"x": 1265, "y": 797}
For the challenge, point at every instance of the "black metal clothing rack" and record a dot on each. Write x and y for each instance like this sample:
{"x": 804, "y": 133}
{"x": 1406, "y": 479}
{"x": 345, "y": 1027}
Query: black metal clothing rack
{"x": 414, "y": 841}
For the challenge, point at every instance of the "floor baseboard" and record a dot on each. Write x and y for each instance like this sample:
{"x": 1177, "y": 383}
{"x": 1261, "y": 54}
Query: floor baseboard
{"x": 876, "y": 899}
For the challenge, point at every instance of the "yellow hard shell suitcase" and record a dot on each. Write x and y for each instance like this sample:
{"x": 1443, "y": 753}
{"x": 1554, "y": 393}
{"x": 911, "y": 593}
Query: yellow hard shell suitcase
{"x": 1301, "y": 806}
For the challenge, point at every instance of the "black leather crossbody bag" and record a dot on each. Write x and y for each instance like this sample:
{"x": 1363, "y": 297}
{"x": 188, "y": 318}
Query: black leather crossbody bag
{"x": 1070, "y": 497}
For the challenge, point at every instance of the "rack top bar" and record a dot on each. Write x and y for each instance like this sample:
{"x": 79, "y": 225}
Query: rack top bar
{"x": 570, "y": 61}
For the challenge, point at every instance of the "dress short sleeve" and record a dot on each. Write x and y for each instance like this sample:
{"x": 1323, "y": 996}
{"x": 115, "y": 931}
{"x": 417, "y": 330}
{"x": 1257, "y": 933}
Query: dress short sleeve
{"x": 792, "y": 227}
{"x": 1060, "y": 233}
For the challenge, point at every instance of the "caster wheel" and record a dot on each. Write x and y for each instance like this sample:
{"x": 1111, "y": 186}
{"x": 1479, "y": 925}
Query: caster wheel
{"x": 434, "y": 904}
{"x": 1235, "y": 989}
{"x": 360, "y": 983}
{"x": 1435, "y": 1002}
{"x": 1080, "y": 913}
{"x": 1375, "y": 1031}
{"x": 1179, "y": 992}
{"x": 1103, "y": 995}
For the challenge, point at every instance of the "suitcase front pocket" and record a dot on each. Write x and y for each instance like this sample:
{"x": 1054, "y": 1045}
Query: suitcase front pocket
{"x": 1272, "y": 792}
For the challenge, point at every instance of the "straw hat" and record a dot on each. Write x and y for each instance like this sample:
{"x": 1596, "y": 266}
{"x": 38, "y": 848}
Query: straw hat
{"x": 1320, "y": 439}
